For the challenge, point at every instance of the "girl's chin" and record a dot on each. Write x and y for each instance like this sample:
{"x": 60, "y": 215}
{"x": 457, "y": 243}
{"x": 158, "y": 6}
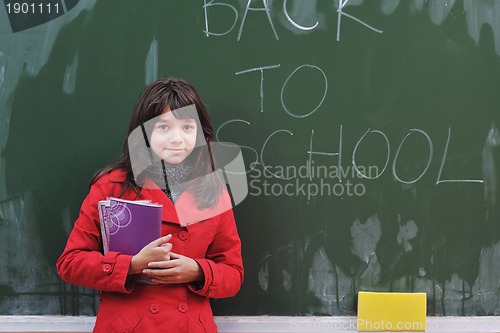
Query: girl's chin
{"x": 173, "y": 161}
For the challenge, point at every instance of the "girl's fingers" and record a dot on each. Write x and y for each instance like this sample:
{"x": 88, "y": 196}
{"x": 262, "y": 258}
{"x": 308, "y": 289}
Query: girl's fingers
{"x": 158, "y": 273}
{"x": 160, "y": 241}
{"x": 174, "y": 255}
{"x": 167, "y": 245}
{"x": 162, "y": 264}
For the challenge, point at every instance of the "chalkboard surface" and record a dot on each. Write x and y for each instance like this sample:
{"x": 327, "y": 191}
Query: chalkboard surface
{"x": 368, "y": 129}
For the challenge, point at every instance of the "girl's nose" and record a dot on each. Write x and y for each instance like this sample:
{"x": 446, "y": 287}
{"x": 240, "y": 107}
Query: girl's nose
{"x": 176, "y": 136}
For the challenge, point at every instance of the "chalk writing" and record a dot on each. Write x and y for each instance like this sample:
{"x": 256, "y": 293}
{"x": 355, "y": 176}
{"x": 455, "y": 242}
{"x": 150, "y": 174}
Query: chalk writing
{"x": 477, "y": 14}
{"x": 217, "y": 137}
{"x": 322, "y": 98}
{"x": 311, "y": 152}
{"x": 340, "y": 11}
{"x": 359, "y": 171}
{"x": 205, "y": 10}
{"x": 295, "y": 24}
{"x": 361, "y": 174}
{"x": 265, "y": 8}
{"x": 414, "y": 130}
{"x": 261, "y": 91}
{"x": 267, "y": 168}
{"x": 268, "y": 11}
{"x": 445, "y": 153}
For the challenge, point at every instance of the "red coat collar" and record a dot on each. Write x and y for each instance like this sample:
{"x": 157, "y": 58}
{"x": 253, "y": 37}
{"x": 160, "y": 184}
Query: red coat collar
{"x": 185, "y": 211}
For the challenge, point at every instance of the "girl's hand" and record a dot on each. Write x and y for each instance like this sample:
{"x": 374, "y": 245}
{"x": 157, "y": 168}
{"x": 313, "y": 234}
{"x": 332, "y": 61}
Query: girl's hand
{"x": 157, "y": 250}
{"x": 179, "y": 269}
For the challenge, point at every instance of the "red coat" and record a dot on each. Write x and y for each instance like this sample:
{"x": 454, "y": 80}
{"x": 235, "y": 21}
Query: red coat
{"x": 130, "y": 307}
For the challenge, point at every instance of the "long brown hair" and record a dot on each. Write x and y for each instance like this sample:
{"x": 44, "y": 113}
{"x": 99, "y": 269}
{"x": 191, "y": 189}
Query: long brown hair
{"x": 174, "y": 93}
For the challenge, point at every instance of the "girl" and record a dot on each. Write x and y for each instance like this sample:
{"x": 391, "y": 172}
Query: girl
{"x": 191, "y": 262}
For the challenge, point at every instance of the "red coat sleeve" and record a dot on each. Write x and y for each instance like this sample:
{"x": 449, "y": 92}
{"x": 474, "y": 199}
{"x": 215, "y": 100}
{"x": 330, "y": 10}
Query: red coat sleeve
{"x": 222, "y": 266}
{"x": 82, "y": 262}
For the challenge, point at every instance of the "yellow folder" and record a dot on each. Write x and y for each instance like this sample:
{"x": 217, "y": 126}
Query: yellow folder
{"x": 395, "y": 312}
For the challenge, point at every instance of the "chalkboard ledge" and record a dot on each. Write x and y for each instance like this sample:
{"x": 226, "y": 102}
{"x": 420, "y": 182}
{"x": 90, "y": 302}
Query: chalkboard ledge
{"x": 258, "y": 324}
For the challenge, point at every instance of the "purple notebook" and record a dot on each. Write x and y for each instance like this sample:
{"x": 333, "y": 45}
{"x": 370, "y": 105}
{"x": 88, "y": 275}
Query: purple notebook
{"x": 127, "y": 226}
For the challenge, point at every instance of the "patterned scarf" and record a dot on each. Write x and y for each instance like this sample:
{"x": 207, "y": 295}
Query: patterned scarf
{"x": 170, "y": 178}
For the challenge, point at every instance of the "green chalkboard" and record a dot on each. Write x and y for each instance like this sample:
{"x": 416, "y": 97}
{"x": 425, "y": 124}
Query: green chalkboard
{"x": 368, "y": 129}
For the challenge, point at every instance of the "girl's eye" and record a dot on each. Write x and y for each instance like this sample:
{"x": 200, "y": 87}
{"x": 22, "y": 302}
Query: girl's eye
{"x": 188, "y": 127}
{"x": 163, "y": 127}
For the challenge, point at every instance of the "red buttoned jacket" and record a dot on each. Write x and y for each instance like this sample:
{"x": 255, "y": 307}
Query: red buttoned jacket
{"x": 127, "y": 306}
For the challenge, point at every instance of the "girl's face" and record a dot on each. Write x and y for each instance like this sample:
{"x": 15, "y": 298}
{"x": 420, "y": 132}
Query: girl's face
{"x": 173, "y": 139}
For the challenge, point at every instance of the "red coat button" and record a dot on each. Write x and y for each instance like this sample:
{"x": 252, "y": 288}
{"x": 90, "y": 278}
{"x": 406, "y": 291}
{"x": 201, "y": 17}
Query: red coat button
{"x": 154, "y": 308}
{"x": 107, "y": 268}
{"x": 183, "y": 235}
{"x": 183, "y": 307}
